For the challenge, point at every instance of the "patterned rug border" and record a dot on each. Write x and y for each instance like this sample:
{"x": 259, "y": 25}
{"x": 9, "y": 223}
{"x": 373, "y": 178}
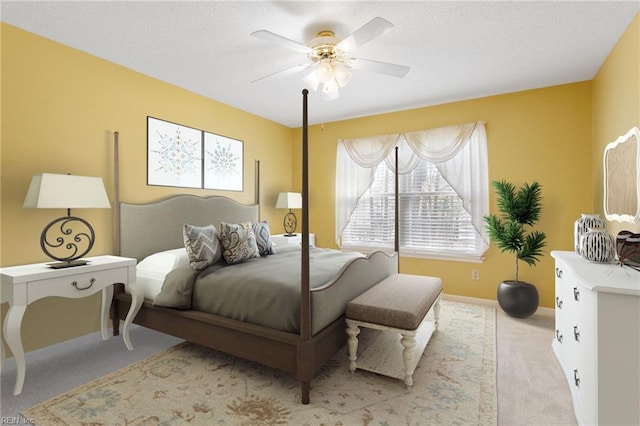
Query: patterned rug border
{"x": 487, "y": 410}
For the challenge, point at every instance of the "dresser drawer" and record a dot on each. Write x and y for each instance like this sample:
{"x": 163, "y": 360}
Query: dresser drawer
{"x": 563, "y": 314}
{"x": 75, "y": 286}
{"x": 585, "y": 380}
{"x": 584, "y": 306}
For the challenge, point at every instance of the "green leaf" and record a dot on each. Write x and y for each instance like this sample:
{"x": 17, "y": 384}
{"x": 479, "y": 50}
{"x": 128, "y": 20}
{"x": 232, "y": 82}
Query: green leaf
{"x": 520, "y": 208}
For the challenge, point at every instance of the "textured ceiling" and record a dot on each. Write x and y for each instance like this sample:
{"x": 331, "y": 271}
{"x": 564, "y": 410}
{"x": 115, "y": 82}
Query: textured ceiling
{"x": 456, "y": 50}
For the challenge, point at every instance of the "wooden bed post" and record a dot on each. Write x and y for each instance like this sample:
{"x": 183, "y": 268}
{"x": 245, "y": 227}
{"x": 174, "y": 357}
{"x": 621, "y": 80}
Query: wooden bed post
{"x": 116, "y": 193}
{"x": 116, "y": 222}
{"x": 257, "y": 189}
{"x": 396, "y": 220}
{"x": 305, "y": 353}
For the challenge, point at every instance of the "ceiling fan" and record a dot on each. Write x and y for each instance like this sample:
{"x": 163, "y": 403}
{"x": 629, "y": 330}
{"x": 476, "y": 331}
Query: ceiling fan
{"x": 329, "y": 60}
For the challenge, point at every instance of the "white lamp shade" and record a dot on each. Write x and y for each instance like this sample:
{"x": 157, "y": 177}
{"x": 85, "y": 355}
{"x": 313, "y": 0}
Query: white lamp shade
{"x": 289, "y": 200}
{"x": 56, "y": 191}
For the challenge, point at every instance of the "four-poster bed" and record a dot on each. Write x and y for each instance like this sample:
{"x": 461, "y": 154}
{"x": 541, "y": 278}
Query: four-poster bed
{"x": 142, "y": 230}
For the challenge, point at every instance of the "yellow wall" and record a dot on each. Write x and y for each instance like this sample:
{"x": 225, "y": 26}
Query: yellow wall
{"x": 616, "y": 108}
{"x": 61, "y": 107}
{"x": 542, "y": 135}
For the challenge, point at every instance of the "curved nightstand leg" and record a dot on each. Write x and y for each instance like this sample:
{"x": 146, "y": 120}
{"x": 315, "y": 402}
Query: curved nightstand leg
{"x": 107, "y": 297}
{"x": 11, "y": 330}
{"x": 136, "y": 301}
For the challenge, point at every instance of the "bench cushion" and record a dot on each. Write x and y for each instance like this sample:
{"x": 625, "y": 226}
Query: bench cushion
{"x": 400, "y": 301}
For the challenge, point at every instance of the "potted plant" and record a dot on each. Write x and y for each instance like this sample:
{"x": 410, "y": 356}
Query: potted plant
{"x": 520, "y": 209}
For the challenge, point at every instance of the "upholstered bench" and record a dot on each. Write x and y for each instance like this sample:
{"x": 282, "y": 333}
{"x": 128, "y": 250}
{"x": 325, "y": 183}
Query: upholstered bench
{"x": 398, "y": 307}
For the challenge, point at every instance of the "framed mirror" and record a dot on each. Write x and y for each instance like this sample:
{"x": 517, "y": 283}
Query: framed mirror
{"x": 622, "y": 178}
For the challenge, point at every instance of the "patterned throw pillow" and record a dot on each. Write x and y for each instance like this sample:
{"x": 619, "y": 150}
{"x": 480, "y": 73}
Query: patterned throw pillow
{"x": 202, "y": 244}
{"x": 238, "y": 242}
{"x": 263, "y": 238}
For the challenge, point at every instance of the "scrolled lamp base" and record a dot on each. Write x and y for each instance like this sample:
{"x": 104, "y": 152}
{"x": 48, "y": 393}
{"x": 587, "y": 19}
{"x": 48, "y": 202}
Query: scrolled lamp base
{"x": 64, "y": 239}
{"x": 290, "y": 222}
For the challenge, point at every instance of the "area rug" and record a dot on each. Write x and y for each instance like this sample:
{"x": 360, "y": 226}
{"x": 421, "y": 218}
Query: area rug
{"x": 454, "y": 384}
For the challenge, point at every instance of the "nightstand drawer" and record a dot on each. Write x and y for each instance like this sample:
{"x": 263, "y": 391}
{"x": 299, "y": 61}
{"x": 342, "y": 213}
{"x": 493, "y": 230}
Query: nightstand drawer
{"x": 282, "y": 240}
{"x": 76, "y": 286}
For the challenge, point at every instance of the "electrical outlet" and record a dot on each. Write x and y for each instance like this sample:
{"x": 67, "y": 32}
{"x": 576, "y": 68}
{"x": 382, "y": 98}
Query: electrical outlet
{"x": 475, "y": 274}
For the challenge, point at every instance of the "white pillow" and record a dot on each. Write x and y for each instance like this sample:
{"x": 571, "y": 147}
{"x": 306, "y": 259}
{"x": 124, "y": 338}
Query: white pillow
{"x": 164, "y": 261}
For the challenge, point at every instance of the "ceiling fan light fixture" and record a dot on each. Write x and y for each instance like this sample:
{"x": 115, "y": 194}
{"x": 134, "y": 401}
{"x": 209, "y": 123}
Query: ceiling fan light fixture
{"x": 329, "y": 76}
{"x": 325, "y": 71}
{"x": 330, "y": 96}
{"x": 330, "y": 90}
{"x": 341, "y": 75}
{"x": 330, "y": 86}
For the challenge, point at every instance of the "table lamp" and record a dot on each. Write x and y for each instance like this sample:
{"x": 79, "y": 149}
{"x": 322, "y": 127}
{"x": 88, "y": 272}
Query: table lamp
{"x": 289, "y": 200}
{"x": 64, "y": 238}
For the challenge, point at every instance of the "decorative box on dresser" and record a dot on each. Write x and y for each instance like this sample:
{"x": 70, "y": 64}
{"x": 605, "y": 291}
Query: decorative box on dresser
{"x": 597, "y": 338}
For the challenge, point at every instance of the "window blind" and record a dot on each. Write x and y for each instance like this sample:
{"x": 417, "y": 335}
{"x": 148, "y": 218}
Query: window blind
{"x": 432, "y": 219}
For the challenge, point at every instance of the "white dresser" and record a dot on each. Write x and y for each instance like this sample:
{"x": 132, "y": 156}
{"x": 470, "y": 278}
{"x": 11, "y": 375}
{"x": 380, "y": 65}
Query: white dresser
{"x": 597, "y": 338}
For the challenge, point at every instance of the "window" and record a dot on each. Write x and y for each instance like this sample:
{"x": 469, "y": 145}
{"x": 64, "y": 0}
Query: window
{"x": 434, "y": 219}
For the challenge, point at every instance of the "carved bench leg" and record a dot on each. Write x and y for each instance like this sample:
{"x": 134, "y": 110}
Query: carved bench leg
{"x": 408, "y": 341}
{"x": 352, "y": 331}
{"x": 436, "y": 312}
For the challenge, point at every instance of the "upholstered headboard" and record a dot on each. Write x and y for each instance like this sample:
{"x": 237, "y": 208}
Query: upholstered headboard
{"x": 150, "y": 228}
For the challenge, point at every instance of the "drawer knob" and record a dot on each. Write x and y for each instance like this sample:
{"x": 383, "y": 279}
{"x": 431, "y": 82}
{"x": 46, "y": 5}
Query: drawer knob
{"x": 576, "y": 294}
{"x": 576, "y": 333}
{"x": 558, "y": 336}
{"x": 91, "y": 281}
{"x": 558, "y": 272}
{"x": 558, "y": 303}
{"x": 576, "y": 379}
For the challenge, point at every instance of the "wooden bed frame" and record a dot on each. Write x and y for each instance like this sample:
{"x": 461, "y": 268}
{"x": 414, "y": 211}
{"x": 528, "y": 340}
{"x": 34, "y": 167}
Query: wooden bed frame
{"x": 301, "y": 354}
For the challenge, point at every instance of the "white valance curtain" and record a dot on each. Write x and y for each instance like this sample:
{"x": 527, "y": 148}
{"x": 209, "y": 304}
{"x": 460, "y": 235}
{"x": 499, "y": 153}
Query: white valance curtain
{"x": 459, "y": 152}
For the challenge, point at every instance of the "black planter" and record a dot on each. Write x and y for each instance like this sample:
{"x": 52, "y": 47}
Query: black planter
{"x": 518, "y": 299}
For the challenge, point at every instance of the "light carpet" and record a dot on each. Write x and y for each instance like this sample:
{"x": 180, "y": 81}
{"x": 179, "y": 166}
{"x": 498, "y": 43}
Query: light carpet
{"x": 454, "y": 384}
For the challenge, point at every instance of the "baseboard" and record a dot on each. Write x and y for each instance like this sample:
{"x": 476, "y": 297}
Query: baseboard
{"x": 79, "y": 341}
{"x": 542, "y": 311}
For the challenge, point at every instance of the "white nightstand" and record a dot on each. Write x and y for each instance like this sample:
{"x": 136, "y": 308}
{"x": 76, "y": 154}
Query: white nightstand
{"x": 24, "y": 284}
{"x": 282, "y": 240}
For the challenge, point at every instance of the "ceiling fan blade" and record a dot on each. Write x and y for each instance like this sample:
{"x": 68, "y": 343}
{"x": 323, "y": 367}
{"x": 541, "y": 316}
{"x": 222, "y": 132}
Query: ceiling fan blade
{"x": 282, "y": 41}
{"x": 377, "y": 66}
{"x": 369, "y": 31}
{"x": 287, "y": 71}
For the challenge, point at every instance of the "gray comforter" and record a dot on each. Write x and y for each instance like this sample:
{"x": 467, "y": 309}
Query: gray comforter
{"x": 263, "y": 291}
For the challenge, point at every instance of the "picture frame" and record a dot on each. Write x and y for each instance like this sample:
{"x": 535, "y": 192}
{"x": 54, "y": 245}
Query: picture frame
{"x": 223, "y": 163}
{"x": 174, "y": 154}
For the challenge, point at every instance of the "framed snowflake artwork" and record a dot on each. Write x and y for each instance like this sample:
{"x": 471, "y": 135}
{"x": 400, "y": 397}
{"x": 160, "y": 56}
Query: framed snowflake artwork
{"x": 223, "y": 163}
{"x": 174, "y": 156}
